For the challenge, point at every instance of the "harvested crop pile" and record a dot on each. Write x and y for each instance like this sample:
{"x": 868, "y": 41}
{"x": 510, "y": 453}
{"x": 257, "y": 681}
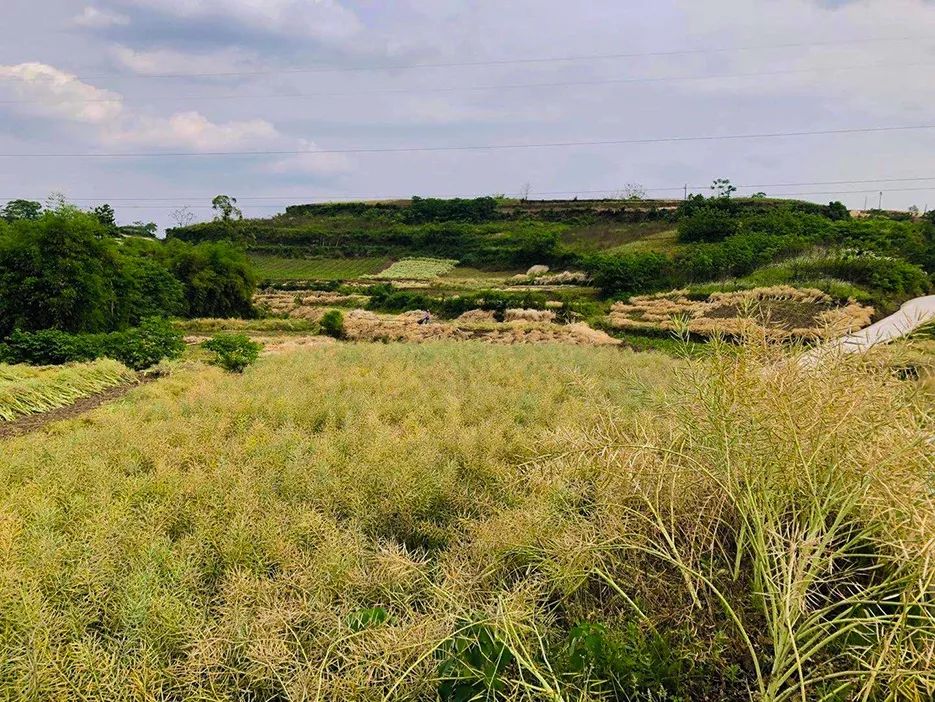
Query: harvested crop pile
{"x": 477, "y": 316}
{"x": 781, "y": 312}
{"x": 563, "y": 278}
{"x": 361, "y": 325}
{"x": 305, "y": 304}
{"x": 26, "y": 390}
{"x": 546, "y": 316}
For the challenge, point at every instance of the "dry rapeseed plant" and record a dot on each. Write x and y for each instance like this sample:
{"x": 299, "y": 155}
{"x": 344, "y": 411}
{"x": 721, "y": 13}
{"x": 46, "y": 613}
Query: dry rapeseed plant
{"x": 25, "y": 390}
{"x": 465, "y": 521}
{"x": 783, "y": 312}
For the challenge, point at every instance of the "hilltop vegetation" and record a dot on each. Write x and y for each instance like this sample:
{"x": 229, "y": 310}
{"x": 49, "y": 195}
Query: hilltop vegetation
{"x": 627, "y": 247}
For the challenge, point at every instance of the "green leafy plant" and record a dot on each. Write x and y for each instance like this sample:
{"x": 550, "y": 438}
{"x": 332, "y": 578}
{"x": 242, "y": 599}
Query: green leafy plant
{"x": 332, "y": 324}
{"x": 473, "y": 664}
{"x": 233, "y": 352}
{"x": 366, "y": 618}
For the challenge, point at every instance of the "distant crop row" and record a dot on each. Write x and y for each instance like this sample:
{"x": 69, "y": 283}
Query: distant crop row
{"x": 418, "y": 269}
{"x": 278, "y": 269}
{"x": 25, "y": 390}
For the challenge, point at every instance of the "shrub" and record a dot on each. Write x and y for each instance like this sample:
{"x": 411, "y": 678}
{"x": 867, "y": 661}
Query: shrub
{"x": 146, "y": 345}
{"x": 630, "y": 273}
{"x": 138, "y": 348}
{"x": 708, "y": 224}
{"x": 233, "y": 352}
{"x": 838, "y": 211}
{"x": 332, "y": 324}
{"x": 736, "y": 256}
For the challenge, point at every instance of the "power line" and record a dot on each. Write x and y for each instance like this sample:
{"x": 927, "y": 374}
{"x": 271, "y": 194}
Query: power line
{"x": 504, "y": 62}
{"x": 479, "y": 88}
{"x": 477, "y": 147}
{"x": 351, "y": 196}
{"x": 287, "y": 200}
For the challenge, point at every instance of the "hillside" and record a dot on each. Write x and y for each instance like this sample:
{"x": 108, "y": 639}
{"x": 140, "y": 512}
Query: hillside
{"x": 487, "y": 232}
{"x": 601, "y": 248}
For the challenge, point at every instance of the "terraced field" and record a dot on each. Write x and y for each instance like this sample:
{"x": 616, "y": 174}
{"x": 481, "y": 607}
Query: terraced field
{"x": 418, "y": 269}
{"x": 281, "y": 269}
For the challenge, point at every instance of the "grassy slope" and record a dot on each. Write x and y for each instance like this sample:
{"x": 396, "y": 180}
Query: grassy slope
{"x": 331, "y": 523}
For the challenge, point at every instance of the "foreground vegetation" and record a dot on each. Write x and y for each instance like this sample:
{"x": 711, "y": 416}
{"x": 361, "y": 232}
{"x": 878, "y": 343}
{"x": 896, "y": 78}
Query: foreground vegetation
{"x": 469, "y": 522}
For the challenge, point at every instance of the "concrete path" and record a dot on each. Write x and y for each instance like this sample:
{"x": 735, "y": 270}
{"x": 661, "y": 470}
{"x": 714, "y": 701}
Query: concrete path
{"x": 910, "y": 317}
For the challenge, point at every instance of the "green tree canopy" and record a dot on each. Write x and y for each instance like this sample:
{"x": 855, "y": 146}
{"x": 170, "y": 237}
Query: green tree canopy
{"x": 20, "y": 209}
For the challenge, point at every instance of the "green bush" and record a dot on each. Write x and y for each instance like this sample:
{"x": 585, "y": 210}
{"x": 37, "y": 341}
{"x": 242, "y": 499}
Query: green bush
{"x": 138, "y": 348}
{"x": 736, "y": 256}
{"x": 708, "y": 224}
{"x": 386, "y": 298}
{"x": 233, "y": 352}
{"x": 332, "y": 324}
{"x": 631, "y": 273}
{"x": 144, "y": 346}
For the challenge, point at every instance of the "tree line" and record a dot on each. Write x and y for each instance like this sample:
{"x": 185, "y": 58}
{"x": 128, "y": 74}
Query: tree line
{"x": 65, "y": 269}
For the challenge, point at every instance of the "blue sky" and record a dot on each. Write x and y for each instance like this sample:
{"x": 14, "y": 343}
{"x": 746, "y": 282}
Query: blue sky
{"x": 82, "y": 77}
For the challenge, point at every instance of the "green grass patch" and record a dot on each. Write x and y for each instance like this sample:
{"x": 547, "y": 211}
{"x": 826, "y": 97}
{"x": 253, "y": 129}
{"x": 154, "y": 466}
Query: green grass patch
{"x": 279, "y": 269}
{"x": 417, "y": 269}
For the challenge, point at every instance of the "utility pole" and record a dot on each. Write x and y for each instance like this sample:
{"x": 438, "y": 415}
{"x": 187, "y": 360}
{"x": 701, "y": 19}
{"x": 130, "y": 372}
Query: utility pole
{"x": 881, "y": 201}
{"x": 686, "y": 192}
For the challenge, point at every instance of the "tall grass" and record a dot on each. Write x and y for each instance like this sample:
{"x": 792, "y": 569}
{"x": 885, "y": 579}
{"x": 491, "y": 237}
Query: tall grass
{"x": 25, "y": 390}
{"x": 460, "y": 521}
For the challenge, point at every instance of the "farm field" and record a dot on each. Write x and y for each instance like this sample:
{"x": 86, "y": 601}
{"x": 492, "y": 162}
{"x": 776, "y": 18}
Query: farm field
{"x": 417, "y": 269}
{"x": 448, "y": 520}
{"x": 284, "y": 269}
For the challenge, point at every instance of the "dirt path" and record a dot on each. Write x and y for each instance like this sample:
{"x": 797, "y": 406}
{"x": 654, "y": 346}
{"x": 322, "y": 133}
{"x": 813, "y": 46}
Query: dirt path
{"x": 35, "y": 422}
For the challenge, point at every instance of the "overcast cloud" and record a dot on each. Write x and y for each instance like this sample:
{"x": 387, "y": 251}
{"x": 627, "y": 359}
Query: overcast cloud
{"x": 103, "y": 76}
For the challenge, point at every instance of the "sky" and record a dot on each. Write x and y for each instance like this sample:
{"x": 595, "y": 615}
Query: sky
{"x": 168, "y": 95}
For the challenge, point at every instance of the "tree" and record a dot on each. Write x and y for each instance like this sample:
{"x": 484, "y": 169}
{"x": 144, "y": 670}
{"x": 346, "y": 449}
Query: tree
{"x": 60, "y": 271}
{"x": 758, "y": 196}
{"x": 144, "y": 229}
{"x": 105, "y": 215}
{"x": 722, "y": 187}
{"x": 217, "y": 278}
{"x": 21, "y": 209}
{"x": 837, "y": 211}
{"x": 708, "y": 224}
{"x": 183, "y": 217}
{"x": 226, "y": 208}
{"x": 634, "y": 191}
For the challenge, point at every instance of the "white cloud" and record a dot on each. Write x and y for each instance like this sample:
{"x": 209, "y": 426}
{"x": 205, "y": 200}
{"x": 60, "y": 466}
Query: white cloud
{"x": 95, "y": 18}
{"x": 162, "y": 61}
{"x": 49, "y": 92}
{"x": 326, "y": 20}
{"x": 194, "y": 131}
{"x": 317, "y": 164}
